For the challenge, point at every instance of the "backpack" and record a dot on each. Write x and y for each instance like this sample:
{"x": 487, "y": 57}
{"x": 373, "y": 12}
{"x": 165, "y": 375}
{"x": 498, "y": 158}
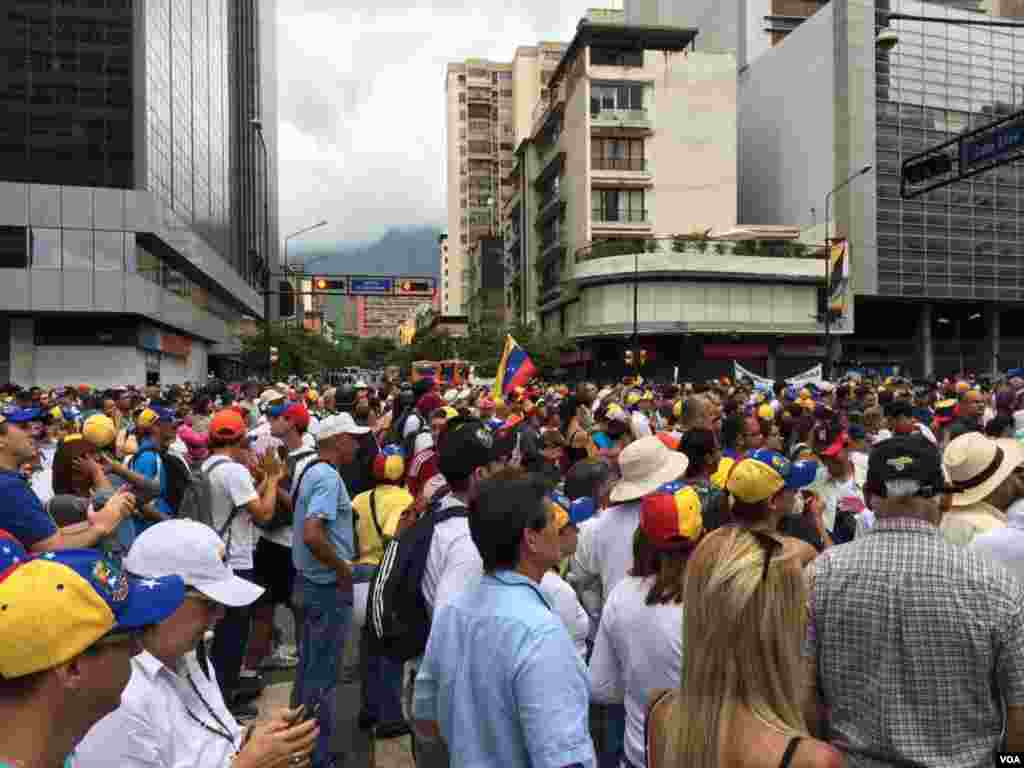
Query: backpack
{"x": 283, "y": 517}
{"x": 197, "y": 502}
{"x": 396, "y": 611}
{"x": 179, "y": 477}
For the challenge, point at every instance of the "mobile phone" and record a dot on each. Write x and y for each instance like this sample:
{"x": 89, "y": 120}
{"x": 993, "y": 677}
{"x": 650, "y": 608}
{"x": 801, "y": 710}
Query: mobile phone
{"x": 298, "y": 716}
{"x": 315, "y": 712}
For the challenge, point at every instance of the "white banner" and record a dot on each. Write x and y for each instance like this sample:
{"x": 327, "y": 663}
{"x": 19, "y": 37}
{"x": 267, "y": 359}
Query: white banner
{"x": 811, "y": 376}
{"x": 739, "y": 372}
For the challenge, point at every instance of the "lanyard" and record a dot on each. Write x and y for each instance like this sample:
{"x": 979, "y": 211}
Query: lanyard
{"x": 223, "y": 732}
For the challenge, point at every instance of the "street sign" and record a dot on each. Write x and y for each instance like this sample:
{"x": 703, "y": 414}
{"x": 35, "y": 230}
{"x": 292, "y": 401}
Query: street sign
{"x": 966, "y": 155}
{"x": 989, "y": 147}
{"x": 370, "y": 286}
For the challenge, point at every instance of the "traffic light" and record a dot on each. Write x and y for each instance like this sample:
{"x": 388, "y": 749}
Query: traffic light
{"x": 416, "y": 287}
{"x": 629, "y": 357}
{"x": 326, "y": 284}
{"x": 643, "y": 357}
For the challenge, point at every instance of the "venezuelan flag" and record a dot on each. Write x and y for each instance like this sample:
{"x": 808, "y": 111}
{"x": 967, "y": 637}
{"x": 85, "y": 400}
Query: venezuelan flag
{"x": 515, "y": 369}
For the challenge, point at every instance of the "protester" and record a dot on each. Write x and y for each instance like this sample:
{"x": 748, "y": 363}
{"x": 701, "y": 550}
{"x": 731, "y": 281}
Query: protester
{"x": 500, "y": 675}
{"x": 739, "y": 700}
{"x": 172, "y": 712}
{"x": 237, "y": 505}
{"x": 322, "y": 549}
{"x": 639, "y": 646}
{"x": 70, "y": 623}
{"x": 962, "y": 645}
{"x": 984, "y": 482}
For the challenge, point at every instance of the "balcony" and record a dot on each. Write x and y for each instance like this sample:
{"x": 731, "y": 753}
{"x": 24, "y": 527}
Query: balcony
{"x": 621, "y": 118}
{"x": 631, "y": 217}
{"x": 636, "y": 164}
{"x": 479, "y": 94}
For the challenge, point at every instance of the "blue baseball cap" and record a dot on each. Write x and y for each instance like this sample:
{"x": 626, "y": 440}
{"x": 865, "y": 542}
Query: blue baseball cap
{"x": 20, "y": 415}
{"x": 796, "y": 474}
{"x": 582, "y": 509}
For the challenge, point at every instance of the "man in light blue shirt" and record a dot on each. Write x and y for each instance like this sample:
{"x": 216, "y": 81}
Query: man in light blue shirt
{"x": 322, "y": 549}
{"x": 500, "y": 680}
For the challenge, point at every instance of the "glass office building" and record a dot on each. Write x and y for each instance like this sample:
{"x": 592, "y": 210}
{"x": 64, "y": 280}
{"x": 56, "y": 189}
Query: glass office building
{"x": 133, "y": 184}
{"x": 962, "y": 241}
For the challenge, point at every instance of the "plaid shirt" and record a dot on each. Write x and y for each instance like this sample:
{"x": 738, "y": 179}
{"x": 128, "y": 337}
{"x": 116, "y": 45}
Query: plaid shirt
{"x": 917, "y": 643}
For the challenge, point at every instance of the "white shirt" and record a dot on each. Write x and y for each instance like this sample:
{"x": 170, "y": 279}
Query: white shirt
{"x": 453, "y": 562}
{"x": 609, "y": 554}
{"x": 641, "y": 425}
{"x": 233, "y": 487}
{"x": 565, "y": 603}
{"x": 1005, "y": 545}
{"x": 412, "y": 425}
{"x": 587, "y": 585}
{"x": 639, "y": 648}
{"x": 153, "y": 728}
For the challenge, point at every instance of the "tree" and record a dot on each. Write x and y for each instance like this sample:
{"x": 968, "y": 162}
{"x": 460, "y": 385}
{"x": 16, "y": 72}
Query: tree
{"x": 299, "y": 352}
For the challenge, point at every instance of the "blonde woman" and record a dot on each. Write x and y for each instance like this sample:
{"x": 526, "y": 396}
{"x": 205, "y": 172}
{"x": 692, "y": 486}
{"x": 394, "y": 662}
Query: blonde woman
{"x": 738, "y": 705}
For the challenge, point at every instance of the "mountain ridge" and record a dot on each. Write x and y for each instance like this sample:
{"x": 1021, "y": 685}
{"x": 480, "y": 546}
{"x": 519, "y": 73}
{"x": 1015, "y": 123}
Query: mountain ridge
{"x": 400, "y": 251}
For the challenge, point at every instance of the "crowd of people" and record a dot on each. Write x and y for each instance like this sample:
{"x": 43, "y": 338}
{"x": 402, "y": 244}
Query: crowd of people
{"x": 639, "y": 574}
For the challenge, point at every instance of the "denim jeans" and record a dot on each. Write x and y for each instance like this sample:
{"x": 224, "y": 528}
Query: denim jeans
{"x": 380, "y": 677}
{"x": 326, "y": 615}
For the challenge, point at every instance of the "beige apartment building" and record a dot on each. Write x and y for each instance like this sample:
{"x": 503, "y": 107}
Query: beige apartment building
{"x": 490, "y": 108}
{"x": 621, "y": 228}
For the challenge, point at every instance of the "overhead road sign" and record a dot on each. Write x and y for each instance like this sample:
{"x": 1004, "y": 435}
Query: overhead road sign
{"x": 972, "y": 152}
{"x": 371, "y": 286}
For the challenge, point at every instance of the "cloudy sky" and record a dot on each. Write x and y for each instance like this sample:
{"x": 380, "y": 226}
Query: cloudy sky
{"x": 362, "y": 134}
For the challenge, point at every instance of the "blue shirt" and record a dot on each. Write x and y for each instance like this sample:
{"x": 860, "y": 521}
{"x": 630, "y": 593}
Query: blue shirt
{"x": 322, "y": 496}
{"x": 503, "y": 680}
{"x": 147, "y": 462}
{"x": 21, "y": 512}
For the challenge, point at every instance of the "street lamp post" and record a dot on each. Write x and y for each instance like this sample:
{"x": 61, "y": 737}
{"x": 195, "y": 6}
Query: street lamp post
{"x": 287, "y": 263}
{"x": 827, "y": 372}
{"x": 257, "y": 124}
{"x": 636, "y": 305}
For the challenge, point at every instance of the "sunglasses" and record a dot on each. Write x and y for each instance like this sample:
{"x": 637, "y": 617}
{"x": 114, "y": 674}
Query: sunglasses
{"x": 195, "y": 594}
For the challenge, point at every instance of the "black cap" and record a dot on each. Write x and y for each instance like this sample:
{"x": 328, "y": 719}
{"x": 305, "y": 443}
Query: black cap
{"x": 466, "y": 444}
{"x": 899, "y": 408}
{"x": 905, "y": 466}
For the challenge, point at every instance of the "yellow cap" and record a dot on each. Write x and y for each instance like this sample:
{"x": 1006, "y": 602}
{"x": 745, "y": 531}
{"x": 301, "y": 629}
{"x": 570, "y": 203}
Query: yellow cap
{"x": 766, "y": 412}
{"x": 677, "y": 409}
{"x": 754, "y": 481}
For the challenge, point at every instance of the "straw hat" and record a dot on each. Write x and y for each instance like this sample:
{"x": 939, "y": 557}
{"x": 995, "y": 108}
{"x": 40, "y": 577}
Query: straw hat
{"x": 976, "y": 465}
{"x": 645, "y": 465}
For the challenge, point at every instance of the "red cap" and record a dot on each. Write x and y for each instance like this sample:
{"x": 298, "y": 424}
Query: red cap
{"x": 672, "y": 517}
{"x": 227, "y": 425}
{"x": 836, "y": 446}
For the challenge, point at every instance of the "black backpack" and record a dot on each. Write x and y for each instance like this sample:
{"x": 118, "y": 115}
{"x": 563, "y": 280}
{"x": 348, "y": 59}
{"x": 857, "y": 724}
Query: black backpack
{"x": 179, "y": 477}
{"x": 283, "y": 516}
{"x": 396, "y": 612}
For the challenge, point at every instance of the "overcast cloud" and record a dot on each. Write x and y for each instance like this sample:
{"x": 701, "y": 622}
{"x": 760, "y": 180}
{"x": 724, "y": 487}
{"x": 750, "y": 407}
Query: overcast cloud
{"x": 362, "y": 133}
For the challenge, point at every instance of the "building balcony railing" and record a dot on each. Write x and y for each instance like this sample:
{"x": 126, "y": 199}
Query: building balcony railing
{"x": 618, "y": 164}
{"x": 638, "y": 118}
{"x": 670, "y": 246}
{"x": 617, "y": 216}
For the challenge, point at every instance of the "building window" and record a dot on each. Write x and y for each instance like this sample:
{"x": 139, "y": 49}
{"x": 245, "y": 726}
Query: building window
{"x": 462, "y": 79}
{"x": 617, "y": 154}
{"x": 109, "y": 251}
{"x": 13, "y": 248}
{"x": 616, "y": 97}
{"x": 618, "y": 205}
{"x": 616, "y": 57}
{"x": 45, "y": 248}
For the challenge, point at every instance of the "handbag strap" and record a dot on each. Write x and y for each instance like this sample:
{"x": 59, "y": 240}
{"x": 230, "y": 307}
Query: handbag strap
{"x": 373, "y": 515}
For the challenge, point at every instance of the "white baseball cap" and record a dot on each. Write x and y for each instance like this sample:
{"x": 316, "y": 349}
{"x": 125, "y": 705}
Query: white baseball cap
{"x": 339, "y": 424}
{"x": 195, "y": 552}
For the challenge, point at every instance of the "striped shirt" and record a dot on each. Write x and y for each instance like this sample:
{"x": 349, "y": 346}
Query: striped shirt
{"x": 917, "y": 644}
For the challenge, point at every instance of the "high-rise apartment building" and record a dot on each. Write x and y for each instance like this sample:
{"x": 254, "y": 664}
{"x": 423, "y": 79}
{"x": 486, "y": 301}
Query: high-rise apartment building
{"x": 138, "y": 205}
{"x": 490, "y": 107}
